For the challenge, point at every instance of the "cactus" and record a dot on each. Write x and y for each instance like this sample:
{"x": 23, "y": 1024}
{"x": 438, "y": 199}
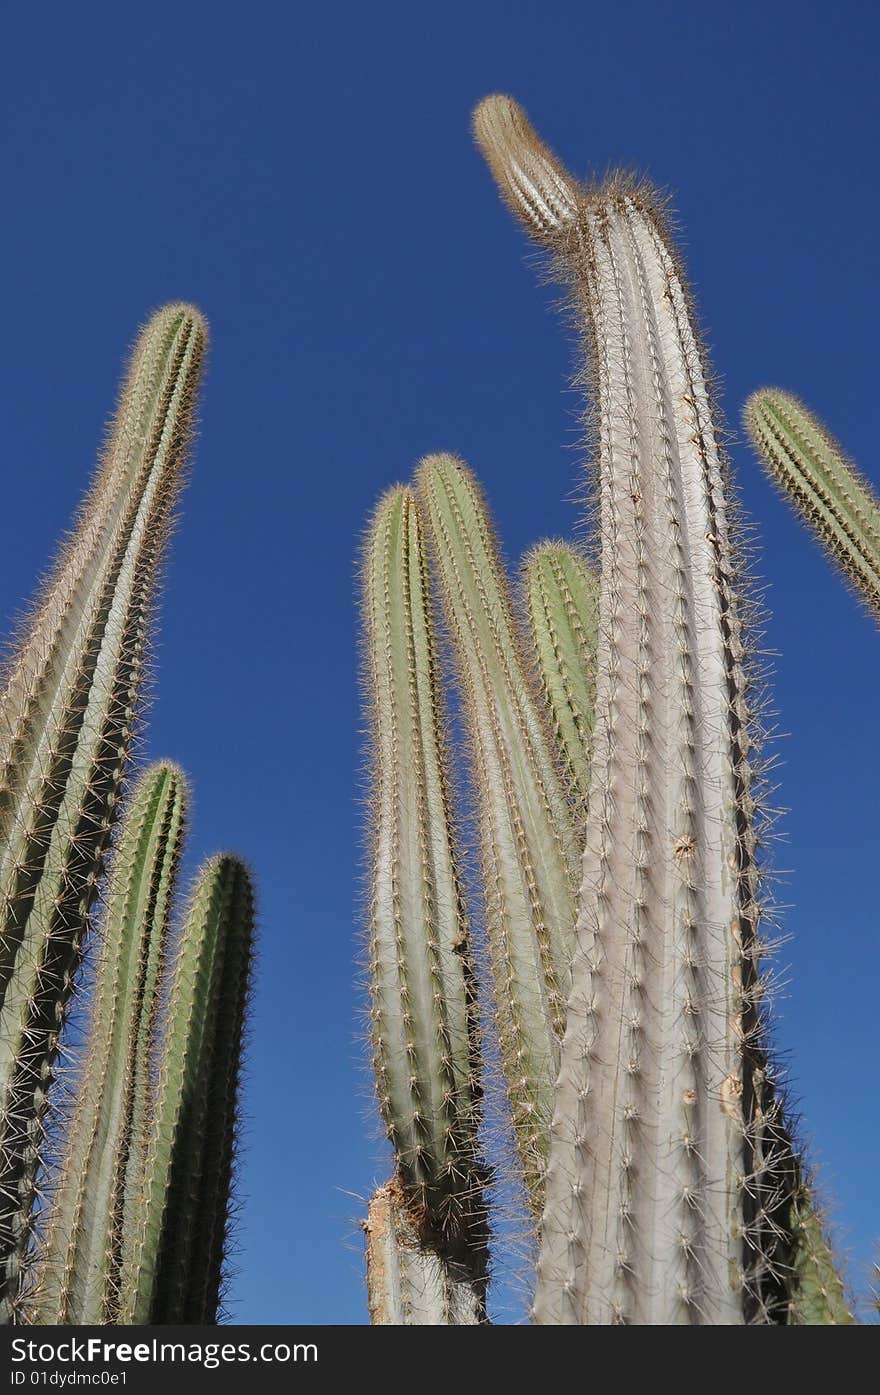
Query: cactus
{"x": 817, "y": 1297}
{"x": 423, "y": 1014}
{"x": 99, "y": 1190}
{"x": 562, "y": 595}
{"x": 666, "y": 1184}
{"x": 528, "y": 842}
{"x": 408, "y": 1282}
{"x": 810, "y": 468}
{"x": 171, "y": 1267}
{"x": 68, "y": 707}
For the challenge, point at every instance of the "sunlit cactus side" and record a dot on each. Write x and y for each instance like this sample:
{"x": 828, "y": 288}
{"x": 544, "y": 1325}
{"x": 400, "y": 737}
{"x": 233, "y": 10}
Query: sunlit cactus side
{"x": 562, "y": 594}
{"x": 811, "y": 470}
{"x": 422, "y": 990}
{"x": 666, "y": 1191}
{"x": 408, "y": 1283}
{"x": 67, "y": 710}
{"x": 98, "y": 1190}
{"x": 172, "y": 1260}
{"x": 529, "y": 847}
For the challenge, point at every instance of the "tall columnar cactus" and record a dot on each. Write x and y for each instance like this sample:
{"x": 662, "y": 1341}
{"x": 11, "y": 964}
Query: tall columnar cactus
{"x": 562, "y": 596}
{"x": 423, "y": 999}
{"x": 98, "y": 1192}
{"x": 665, "y": 1189}
{"x": 66, "y": 717}
{"x": 528, "y": 844}
{"x": 171, "y": 1267}
{"x": 825, "y": 488}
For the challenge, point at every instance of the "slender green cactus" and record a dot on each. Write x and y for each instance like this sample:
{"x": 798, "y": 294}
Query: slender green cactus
{"x": 99, "y": 1190}
{"x": 529, "y": 847}
{"x": 562, "y": 596}
{"x": 818, "y": 1297}
{"x": 424, "y": 1009}
{"x": 408, "y": 1282}
{"x": 171, "y": 1266}
{"x": 825, "y": 488}
{"x": 68, "y": 707}
{"x": 666, "y": 1188}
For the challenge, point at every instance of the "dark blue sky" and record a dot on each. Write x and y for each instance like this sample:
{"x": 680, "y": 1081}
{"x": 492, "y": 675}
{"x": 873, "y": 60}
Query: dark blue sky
{"x": 305, "y": 173}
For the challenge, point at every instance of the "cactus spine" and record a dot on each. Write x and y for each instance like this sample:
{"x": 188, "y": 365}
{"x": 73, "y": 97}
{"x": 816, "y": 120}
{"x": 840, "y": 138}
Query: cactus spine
{"x": 562, "y": 596}
{"x": 529, "y": 851}
{"x": 171, "y": 1270}
{"x": 657, "y": 1184}
{"x": 423, "y": 1012}
{"x": 100, "y": 1188}
{"x": 68, "y": 707}
{"x": 811, "y": 469}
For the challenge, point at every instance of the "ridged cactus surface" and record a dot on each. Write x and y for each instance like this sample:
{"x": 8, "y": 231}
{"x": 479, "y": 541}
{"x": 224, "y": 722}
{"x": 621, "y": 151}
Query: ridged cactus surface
{"x": 423, "y": 996}
{"x": 562, "y": 595}
{"x": 67, "y": 711}
{"x": 172, "y": 1271}
{"x": 98, "y": 1192}
{"x": 656, "y": 1182}
{"x": 811, "y": 470}
{"x": 529, "y": 849}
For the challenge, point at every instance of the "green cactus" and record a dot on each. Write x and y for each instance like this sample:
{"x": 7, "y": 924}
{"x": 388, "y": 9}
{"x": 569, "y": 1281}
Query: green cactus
{"x": 171, "y": 1266}
{"x": 818, "y": 1297}
{"x": 562, "y": 594}
{"x": 528, "y": 843}
{"x": 68, "y": 707}
{"x": 99, "y": 1189}
{"x": 825, "y": 488}
{"x": 666, "y": 1182}
{"x": 424, "y": 1011}
{"x": 410, "y": 1283}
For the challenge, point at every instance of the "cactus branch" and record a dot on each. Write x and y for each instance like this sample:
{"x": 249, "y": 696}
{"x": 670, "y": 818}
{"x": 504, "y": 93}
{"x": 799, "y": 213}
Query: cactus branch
{"x": 529, "y": 847}
{"x": 101, "y": 1179}
{"x": 410, "y": 1283}
{"x": 811, "y": 470}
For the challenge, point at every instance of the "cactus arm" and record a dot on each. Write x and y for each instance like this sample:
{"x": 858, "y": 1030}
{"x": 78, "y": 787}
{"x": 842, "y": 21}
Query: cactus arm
{"x": 825, "y": 488}
{"x": 651, "y": 1167}
{"x": 102, "y": 1168}
{"x": 156, "y": 1275}
{"x": 528, "y": 842}
{"x": 408, "y": 1282}
{"x": 421, "y": 975}
{"x": 66, "y": 720}
{"x": 561, "y": 596}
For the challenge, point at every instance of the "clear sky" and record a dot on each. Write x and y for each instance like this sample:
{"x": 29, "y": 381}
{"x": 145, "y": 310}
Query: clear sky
{"x": 305, "y": 173}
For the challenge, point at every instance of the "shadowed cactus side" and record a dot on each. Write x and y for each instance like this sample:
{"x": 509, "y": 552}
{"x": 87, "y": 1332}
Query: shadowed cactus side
{"x": 810, "y": 469}
{"x": 69, "y": 703}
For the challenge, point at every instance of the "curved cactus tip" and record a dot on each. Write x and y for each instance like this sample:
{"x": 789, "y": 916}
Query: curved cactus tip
{"x": 175, "y": 310}
{"x": 530, "y": 178}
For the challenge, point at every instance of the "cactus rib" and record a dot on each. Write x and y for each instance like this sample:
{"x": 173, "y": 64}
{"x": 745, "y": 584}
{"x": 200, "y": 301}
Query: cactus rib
{"x": 528, "y": 843}
{"x": 102, "y": 1172}
{"x": 66, "y": 718}
{"x": 657, "y": 1184}
{"x": 825, "y": 488}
